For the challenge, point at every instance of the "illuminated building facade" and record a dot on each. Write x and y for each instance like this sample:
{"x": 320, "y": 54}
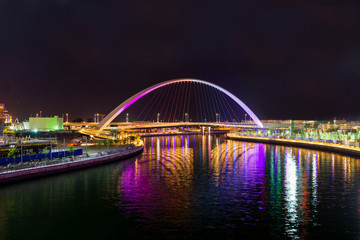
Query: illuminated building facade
{"x": 44, "y": 124}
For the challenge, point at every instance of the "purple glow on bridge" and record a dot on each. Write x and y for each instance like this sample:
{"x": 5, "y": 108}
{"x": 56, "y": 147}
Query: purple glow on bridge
{"x": 113, "y": 114}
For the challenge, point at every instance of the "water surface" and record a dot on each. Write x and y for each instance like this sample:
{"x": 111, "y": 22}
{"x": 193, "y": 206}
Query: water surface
{"x": 193, "y": 187}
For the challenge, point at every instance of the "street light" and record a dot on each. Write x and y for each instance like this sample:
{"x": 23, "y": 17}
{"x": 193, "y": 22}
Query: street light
{"x": 21, "y": 140}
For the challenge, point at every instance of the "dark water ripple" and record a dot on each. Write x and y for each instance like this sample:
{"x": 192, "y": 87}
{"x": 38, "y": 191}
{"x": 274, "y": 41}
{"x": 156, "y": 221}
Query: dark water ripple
{"x": 193, "y": 187}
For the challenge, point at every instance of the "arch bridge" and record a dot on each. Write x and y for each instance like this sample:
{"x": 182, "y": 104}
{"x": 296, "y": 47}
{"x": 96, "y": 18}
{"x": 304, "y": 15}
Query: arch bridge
{"x": 127, "y": 103}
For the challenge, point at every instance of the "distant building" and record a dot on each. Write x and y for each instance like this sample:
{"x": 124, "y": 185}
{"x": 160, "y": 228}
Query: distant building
{"x": 2, "y": 109}
{"x": 339, "y": 122}
{"x": 98, "y": 117}
{"x": 44, "y": 124}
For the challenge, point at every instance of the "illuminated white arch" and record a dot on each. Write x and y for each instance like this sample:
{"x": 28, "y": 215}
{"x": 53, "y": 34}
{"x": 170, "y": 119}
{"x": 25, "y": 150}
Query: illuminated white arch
{"x": 119, "y": 109}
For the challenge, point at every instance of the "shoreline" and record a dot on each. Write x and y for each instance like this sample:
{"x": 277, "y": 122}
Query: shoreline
{"x": 182, "y": 133}
{"x": 328, "y": 147}
{"x": 58, "y": 168}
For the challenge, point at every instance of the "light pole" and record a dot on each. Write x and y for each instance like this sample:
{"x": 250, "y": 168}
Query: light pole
{"x": 217, "y": 117}
{"x": 158, "y": 116}
{"x": 245, "y": 117}
{"x": 127, "y": 117}
{"x": 64, "y": 147}
{"x": 21, "y": 150}
{"x": 67, "y": 117}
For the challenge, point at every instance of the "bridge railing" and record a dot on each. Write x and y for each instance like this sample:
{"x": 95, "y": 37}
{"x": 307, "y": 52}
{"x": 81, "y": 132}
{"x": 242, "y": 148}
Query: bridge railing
{"x": 309, "y": 139}
{"x": 46, "y": 163}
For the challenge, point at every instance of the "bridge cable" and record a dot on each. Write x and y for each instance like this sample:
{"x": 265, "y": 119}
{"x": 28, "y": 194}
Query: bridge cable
{"x": 177, "y": 102}
{"x": 196, "y": 103}
{"x": 222, "y": 106}
{"x": 217, "y": 103}
{"x": 197, "y": 95}
{"x": 203, "y": 105}
{"x": 138, "y": 117}
{"x": 185, "y": 100}
{"x": 162, "y": 93}
{"x": 166, "y": 90}
{"x": 152, "y": 105}
{"x": 217, "y": 94}
{"x": 170, "y": 93}
{"x": 227, "y": 109}
{"x": 206, "y": 111}
{"x": 173, "y": 100}
{"x": 211, "y": 93}
{"x": 189, "y": 98}
{"x": 209, "y": 103}
{"x": 231, "y": 108}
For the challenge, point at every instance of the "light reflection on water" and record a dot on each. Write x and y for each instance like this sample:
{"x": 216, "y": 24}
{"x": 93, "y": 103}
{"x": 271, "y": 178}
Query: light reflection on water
{"x": 249, "y": 182}
{"x": 194, "y": 187}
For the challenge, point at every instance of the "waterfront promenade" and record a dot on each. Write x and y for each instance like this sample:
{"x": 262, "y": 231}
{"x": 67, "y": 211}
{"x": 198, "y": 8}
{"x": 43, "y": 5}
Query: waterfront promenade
{"x": 44, "y": 168}
{"x": 317, "y": 145}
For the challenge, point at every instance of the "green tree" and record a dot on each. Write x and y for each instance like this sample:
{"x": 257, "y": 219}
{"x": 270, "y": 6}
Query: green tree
{"x": 12, "y": 152}
{"x": 78, "y": 120}
{"x": 31, "y": 151}
{"x": 45, "y": 150}
{"x": 70, "y": 149}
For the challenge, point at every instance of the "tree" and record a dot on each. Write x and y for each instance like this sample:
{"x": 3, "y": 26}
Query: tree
{"x": 70, "y": 149}
{"x": 78, "y": 120}
{"x": 12, "y": 152}
{"x": 45, "y": 150}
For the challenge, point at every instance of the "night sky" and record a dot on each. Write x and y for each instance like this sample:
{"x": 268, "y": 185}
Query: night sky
{"x": 293, "y": 61}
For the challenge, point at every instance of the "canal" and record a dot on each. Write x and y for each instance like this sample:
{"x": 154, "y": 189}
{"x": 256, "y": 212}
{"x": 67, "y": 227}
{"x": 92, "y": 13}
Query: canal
{"x": 192, "y": 187}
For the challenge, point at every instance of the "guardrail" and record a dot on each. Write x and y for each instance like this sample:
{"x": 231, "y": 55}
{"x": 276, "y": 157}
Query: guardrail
{"x": 339, "y": 142}
{"x": 332, "y": 147}
{"x": 65, "y": 161}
